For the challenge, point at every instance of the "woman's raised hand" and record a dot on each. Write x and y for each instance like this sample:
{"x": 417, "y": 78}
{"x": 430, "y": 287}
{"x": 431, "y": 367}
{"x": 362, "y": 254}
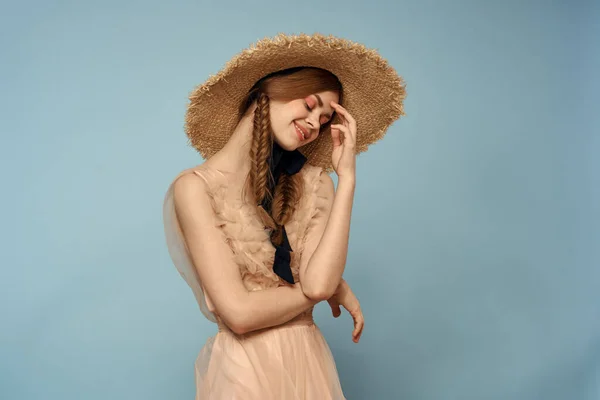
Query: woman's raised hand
{"x": 343, "y": 156}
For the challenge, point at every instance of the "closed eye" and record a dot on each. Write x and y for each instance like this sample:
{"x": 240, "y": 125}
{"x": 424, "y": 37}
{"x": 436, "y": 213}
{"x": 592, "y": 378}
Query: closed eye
{"x": 327, "y": 116}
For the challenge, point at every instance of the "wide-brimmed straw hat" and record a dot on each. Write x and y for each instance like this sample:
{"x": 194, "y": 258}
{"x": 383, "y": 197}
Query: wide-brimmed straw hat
{"x": 373, "y": 92}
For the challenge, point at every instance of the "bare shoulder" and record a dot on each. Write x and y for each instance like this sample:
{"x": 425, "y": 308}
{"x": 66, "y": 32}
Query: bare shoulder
{"x": 189, "y": 193}
{"x": 187, "y": 180}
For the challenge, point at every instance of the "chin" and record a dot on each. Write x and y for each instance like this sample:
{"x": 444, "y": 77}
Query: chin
{"x": 287, "y": 146}
{"x": 289, "y": 143}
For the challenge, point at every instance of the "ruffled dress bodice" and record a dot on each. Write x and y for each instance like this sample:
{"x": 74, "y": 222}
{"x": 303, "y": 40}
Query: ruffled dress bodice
{"x": 243, "y": 230}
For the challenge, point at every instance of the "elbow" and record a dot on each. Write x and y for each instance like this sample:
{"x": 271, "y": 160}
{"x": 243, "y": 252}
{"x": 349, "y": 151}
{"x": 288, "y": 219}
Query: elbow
{"x": 318, "y": 292}
{"x": 238, "y": 327}
{"x": 236, "y": 319}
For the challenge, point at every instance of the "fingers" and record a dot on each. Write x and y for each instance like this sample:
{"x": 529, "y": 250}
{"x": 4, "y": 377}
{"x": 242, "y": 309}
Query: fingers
{"x": 336, "y": 311}
{"x": 359, "y": 323}
{"x": 335, "y": 136}
{"x": 335, "y": 307}
{"x": 345, "y": 297}
{"x": 348, "y": 138}
{"x": 347, "y": 119}
{"x": 344, "y": 113}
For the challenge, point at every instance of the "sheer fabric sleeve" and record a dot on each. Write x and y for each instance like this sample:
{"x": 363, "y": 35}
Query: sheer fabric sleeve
{"x": 180, "y": 255}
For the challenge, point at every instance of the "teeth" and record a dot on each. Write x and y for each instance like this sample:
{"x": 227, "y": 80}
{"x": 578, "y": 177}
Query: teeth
{"x": 299, "y": 131}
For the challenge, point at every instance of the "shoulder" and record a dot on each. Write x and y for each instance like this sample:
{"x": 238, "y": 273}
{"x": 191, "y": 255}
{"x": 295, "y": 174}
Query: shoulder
{"x": 190, "y": 178}
{"x": 319, "y": 184}
{"x": 188, "y": 182}
{"x": 193, "y": 205}
{"x": 189, "y": 189}
{"x": 326, "y": 182}
{"x": 321, "y": 181}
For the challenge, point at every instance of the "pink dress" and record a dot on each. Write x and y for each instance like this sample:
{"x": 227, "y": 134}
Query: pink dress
{"x": 291, "y": 361}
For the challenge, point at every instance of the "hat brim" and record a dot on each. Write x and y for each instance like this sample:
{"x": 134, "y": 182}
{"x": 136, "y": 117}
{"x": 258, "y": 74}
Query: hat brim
{"x": 373, "y": 92}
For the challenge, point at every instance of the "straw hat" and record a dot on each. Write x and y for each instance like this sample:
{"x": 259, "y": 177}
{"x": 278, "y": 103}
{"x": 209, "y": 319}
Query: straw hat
{"x": 373, "y": 91}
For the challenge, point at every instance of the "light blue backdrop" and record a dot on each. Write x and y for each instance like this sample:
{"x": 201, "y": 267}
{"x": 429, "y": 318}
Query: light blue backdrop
{"x": 475, "y": 234}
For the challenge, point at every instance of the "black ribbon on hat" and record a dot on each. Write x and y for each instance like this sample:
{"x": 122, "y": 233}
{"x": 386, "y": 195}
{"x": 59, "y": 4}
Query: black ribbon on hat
{"x": 291, "y": 162}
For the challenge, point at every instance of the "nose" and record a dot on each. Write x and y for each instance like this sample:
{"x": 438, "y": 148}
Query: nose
{"x": 312, "y": 122}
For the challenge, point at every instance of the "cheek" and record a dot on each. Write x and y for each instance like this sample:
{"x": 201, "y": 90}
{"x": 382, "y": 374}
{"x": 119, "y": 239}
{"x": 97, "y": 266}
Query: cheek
{"x": 278, "y": 117}
{"x": 285, "y": 115}
{"x": 298, "y": 111}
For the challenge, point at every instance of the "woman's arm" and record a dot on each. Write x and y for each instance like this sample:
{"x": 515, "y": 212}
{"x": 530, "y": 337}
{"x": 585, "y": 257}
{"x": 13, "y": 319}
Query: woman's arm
{"x": 325, "y": 251}
{"x": 241, "y": 310}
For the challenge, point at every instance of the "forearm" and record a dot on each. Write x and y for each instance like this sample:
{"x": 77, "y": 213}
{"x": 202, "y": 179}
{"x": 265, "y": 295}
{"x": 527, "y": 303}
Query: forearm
{"x": 270, "y": 307}
{"x": 326, "y": 266}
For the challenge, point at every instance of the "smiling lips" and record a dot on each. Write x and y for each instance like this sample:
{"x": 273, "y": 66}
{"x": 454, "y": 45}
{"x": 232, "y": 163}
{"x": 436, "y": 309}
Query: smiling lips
{"x": 301, "y": 131}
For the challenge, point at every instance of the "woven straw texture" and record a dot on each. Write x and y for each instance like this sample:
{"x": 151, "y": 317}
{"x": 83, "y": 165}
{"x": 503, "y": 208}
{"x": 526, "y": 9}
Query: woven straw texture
{"x": 373, "y": 92}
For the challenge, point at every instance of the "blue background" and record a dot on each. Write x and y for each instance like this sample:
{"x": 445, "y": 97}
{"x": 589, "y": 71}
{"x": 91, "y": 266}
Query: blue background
{"x": 476, "y": 228}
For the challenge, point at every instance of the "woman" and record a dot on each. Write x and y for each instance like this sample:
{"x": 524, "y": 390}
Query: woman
{"x": 257, "y": 230}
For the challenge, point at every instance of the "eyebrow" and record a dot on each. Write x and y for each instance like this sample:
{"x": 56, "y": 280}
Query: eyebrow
{"x": 320, "y": 101}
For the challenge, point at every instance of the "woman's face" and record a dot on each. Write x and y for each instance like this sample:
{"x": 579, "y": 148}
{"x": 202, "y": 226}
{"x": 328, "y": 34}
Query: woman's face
{"x": 296, "y": 123}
